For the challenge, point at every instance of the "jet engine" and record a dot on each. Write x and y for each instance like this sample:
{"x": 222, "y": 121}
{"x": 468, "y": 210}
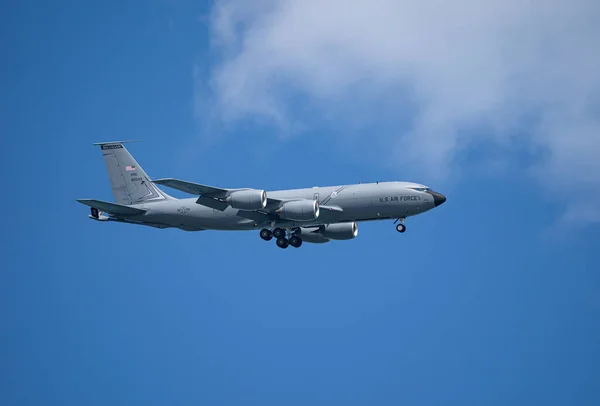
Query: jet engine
{"x": 340, "y": 231}
{"x": 300, "y": 210}
{"x": 248, "y": 199}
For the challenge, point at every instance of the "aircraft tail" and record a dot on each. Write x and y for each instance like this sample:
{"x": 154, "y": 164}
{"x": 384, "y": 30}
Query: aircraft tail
{"x": 129, "y": 182}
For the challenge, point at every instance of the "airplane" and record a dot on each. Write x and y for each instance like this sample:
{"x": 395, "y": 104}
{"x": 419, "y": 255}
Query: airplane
{"x": 313, "y": 215}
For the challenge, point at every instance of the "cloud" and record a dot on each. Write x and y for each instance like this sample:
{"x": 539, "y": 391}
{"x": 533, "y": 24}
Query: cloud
{"x": 581, "y": 213}
{"x": 436, "y": 78}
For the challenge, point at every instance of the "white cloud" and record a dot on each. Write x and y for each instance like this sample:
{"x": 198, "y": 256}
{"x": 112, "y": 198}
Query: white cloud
{"x": 441, "y": 76}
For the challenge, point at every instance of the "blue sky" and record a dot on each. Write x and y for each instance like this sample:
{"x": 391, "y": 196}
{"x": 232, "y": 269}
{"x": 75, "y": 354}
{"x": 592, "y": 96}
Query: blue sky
{"x": 489, "y": 299}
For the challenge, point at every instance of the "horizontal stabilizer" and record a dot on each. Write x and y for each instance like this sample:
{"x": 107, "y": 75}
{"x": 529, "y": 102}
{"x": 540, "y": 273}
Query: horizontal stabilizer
{"x": 112, "y": 208}
{"x": 192, "y": 188}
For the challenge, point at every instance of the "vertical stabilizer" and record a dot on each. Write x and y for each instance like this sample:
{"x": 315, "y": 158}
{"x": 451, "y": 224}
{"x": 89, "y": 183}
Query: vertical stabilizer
{"x": 129, "y": 182}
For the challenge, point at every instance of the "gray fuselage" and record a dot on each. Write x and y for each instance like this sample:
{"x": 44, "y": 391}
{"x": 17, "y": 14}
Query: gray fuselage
{"x": 358, "y": 202}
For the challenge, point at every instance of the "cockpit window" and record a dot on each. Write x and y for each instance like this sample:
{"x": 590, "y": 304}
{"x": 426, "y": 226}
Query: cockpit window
{"x": 421, "y": 189}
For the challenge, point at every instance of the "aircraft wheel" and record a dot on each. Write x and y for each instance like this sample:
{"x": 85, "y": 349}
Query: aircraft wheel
{"x": 266, "y": 234}
{"x": 282, "y": 242}
{"x": 401, "y": 228}
{"x": 279, "y": 233}
{"x": 296, "y": 242}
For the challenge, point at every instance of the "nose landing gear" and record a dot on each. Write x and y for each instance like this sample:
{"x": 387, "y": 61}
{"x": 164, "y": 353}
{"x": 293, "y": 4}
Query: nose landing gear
{"x": 400, "y": 227}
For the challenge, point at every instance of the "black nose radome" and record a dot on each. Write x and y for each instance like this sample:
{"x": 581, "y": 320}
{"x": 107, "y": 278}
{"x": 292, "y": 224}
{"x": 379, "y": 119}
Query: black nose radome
{"x": 438, "y": 198}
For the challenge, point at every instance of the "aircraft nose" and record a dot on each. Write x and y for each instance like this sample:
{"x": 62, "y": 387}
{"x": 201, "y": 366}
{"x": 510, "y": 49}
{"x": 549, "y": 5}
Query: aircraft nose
{"x": 438, "y": 198}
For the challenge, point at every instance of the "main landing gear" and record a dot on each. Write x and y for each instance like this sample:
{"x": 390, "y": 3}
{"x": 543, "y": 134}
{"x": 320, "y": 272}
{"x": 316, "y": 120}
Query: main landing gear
{"x": 280, "y": 235}
{"x": 266, "y": 235}
{"x": 295, "y": 241}
{"x": 400, "y": 227}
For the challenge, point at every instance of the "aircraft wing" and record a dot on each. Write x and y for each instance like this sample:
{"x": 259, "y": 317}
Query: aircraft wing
{"x": 211, "y": 196}
{"x": 274, "y": 204}
{"x": 331, "y": 208}
{"x": 112, "y": 208}
{"x": 259, "y": 217}
{"x": 194, "y": 188}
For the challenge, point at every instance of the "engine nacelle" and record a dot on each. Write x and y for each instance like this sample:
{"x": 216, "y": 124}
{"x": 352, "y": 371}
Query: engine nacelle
{"x": 340, "y": 231}
{"x": 300, "y": 210}
{"x": 248, "y": 199}
{"x": 311, "y": 235}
